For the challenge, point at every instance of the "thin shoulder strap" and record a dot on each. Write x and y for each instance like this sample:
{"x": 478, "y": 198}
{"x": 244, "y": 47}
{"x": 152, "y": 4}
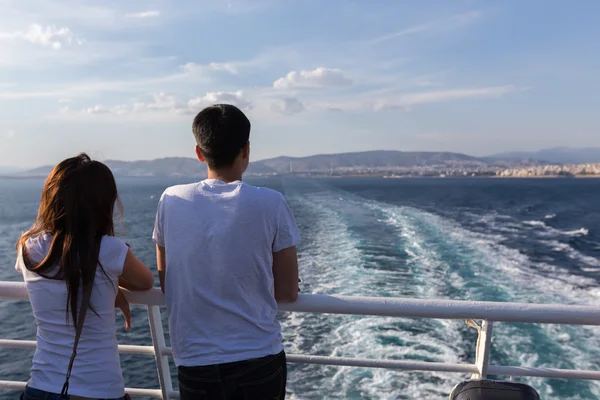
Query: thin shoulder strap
{"x": 85, "y": 301}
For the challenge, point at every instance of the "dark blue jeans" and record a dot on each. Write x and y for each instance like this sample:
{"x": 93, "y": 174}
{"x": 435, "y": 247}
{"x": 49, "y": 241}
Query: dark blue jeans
{"x": 36, "y": 394}
{"x": 256, "y": 379}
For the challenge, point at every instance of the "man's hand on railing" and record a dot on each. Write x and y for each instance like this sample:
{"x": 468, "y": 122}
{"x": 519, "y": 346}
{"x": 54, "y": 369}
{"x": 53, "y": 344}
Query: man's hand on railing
{"x": 122, "y": 304}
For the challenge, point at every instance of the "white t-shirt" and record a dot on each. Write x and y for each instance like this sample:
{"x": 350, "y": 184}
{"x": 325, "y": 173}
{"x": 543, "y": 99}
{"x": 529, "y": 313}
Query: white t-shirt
{"x": 97, "y": 368}
{"x": 219, "y": 239}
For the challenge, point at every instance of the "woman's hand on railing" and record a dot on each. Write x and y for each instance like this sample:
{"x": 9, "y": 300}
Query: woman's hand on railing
{"x": 122, "y": 304}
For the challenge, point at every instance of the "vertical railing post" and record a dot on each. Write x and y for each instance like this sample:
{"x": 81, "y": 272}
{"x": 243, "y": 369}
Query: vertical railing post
{"x": 162, "y": 360}
{"x": 482, "y": 355}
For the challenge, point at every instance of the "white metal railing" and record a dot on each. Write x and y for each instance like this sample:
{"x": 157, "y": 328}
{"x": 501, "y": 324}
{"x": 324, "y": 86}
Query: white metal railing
{"x": 486, "y": 312}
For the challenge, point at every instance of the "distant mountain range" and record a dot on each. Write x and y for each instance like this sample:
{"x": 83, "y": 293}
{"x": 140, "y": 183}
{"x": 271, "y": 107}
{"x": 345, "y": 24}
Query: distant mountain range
{"x": 381, "y": 158}
{"x": 361, "y": 162}
{"x": 161, "y": 167}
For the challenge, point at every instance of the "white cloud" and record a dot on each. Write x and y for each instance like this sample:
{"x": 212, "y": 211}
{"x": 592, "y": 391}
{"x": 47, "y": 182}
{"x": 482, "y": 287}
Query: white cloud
{"x": 229, "y": 67}
{"x": 163, "y": 75}
{"x": 47, "y": 36}
{"x": 317, "y": 78}
{"x": 93, "y": 88}
{"x": 192, "y": 73}
{"x": 98, "y": 109}
{"x": 145, "y": 14}
{"x": 405, "y": 32}
{"x": 437, "y": 25}
{"x": 161, "y": 102}
{"x": 378, "y": 100}
{"x": 166, "y": 104}
{"x": 288, "y": 106}
{"x": 282, "y": 56}
{"x": 236, "y": 98}
{"x": 10, "y": 134}
{"x": 406, "y": 101}
{"x": 194, "y": 68}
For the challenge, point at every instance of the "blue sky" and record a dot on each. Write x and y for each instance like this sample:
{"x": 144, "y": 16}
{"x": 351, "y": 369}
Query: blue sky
{"x": 123, "y": 80}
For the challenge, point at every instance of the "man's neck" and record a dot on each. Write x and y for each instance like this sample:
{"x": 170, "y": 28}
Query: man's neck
{"x": 226, "y": 176}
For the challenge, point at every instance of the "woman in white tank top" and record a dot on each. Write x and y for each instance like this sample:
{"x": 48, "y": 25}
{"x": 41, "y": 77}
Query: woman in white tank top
{"x": 72, "y": 237}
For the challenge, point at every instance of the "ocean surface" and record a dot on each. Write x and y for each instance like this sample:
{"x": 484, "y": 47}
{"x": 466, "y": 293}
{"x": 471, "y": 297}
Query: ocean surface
{"x": 480, "y": 239}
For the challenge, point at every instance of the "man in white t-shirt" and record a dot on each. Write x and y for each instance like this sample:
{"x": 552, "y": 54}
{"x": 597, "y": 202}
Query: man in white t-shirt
{"x": 226, "y": 254}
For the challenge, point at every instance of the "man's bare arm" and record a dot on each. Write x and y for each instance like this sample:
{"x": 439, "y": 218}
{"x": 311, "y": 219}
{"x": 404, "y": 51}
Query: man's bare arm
{"x": 161, "y": 262}
{"x": 285, "y": 274}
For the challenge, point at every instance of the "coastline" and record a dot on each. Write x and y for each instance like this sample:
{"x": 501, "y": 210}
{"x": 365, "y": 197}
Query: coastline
{"x": 548, "y": 177}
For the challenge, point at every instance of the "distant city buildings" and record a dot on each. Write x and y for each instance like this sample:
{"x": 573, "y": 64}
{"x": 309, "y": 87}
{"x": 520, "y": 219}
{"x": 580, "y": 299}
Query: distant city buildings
{"x": 448, "y": 169}
{"x": 552, "y": 170}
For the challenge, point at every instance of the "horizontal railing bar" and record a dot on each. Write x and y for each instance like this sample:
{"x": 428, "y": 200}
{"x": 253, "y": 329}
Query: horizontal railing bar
{"x": 373, "y": 363}
{"x": 138, "y": 392}
{"x": 134, "y": 349}
{"x": 543, "y": 372}
{"x": 446, "y": 309}
{"x": 13, "y": 290}
{"x": 387, "y": 364}
{"x": 12, "y": 385}
{"x": 396, "y": 307}
{"x": 134, "y": 392}
{"x": 435, "y": 366}
{"x": 31, "y": 344}
{"x": 445, "y": 367}
{"x": 18, "y": 344}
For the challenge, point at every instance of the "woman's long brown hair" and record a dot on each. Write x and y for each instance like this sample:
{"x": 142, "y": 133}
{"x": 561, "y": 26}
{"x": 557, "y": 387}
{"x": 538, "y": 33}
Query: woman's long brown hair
{"x": 76, "y": 209}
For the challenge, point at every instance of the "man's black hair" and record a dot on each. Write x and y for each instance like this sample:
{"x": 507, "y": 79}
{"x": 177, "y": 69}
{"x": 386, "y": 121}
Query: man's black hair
{"x": 221, "y": 132}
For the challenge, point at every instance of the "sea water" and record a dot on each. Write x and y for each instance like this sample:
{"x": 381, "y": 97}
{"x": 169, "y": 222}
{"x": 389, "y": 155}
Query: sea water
{"x": 474, "y": 239}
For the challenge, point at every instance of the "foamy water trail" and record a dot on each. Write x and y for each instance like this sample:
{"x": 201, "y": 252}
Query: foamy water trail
{"x": 535, "y": 223}
{"x": 492, "y": 271}
{"x": 414, "y": 253}
{"x": 577, "y": 232}
{"x": 548, "y": 230}
{"x": 336, "y": 260}
{"x": 573, "y": 254}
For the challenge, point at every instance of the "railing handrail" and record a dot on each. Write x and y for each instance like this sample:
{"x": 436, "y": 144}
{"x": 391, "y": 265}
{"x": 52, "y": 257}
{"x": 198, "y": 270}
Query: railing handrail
{"x": 394, "y": 307}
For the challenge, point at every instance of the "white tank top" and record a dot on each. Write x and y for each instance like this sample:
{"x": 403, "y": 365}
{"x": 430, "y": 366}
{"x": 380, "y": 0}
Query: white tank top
{"x": 97, "y": 369}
